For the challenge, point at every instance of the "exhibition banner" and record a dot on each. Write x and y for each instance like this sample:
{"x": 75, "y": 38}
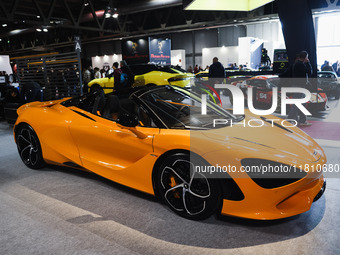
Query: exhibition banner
{"x": 160, "y": 51}
{"x": 135, "y": 51}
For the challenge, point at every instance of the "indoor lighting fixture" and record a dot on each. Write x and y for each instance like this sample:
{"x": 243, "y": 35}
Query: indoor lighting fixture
{"x": 224, "y": 5}
{"x": 38, "y": 17}
{"x": 111, "y": 12}
{"x": 4, "y": 25}
{"x": 45, "y": 30}
{"x": 38, "y": 29}
{"x": 115, "y": 13}
{"x": 0, "y": 40}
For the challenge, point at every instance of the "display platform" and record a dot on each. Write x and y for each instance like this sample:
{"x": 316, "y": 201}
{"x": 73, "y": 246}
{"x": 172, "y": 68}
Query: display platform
{"x": 74, "y": 212}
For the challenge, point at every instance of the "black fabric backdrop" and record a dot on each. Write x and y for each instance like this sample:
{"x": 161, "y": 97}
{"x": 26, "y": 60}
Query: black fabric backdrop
{"x": 298, "y": 29}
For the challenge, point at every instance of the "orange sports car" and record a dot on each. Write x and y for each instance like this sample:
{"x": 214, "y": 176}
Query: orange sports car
{"x": 157, "y": 140}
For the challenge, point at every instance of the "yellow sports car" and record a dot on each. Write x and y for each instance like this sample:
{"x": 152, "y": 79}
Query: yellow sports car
{"x": 148, "y": 75}
{"x": 155, "y": 139}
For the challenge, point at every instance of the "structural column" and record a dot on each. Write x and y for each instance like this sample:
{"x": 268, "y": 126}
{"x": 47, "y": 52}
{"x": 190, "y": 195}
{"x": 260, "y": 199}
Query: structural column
{"x": 298, "y": 29}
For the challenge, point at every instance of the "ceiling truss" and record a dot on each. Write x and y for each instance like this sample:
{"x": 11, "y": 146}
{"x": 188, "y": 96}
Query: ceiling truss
{"x": 66, "y": 18}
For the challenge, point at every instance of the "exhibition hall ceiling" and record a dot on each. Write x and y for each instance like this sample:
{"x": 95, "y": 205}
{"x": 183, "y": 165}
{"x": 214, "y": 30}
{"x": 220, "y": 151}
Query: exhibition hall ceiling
{"x": 37, "y": 24}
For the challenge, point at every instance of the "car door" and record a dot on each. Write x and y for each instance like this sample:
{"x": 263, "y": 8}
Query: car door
{"x": 107, "y": 149}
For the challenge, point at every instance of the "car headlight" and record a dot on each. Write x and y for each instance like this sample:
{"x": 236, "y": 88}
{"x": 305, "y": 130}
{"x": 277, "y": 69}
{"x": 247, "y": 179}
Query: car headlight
{"x": 270, "y": 174}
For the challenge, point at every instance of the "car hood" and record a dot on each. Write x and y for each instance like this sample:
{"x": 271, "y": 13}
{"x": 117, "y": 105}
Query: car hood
{"x": 268, "y": 139}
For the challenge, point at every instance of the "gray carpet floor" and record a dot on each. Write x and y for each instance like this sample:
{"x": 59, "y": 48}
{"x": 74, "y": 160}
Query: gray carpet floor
{"x": 64, "y": 211}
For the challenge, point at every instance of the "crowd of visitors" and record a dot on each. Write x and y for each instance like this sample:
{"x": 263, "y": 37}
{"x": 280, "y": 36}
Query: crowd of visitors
{"x": 335, "y": 67}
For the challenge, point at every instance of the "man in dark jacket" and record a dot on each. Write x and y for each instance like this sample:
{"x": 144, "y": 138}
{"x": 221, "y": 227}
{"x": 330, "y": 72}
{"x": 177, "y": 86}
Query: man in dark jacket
{"x": 301, "y": 71}
{"x": 216, "y": 70}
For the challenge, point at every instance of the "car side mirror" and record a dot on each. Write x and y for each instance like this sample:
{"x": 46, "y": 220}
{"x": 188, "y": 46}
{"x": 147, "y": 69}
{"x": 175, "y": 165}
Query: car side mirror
{"x": 128, "y": 120}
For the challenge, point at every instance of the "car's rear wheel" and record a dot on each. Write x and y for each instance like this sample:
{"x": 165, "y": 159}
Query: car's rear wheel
{"x": 188, "y": 193}
{"x": 29, "y": 147}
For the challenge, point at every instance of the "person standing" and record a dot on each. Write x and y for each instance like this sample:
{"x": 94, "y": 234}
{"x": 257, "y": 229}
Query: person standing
{"x": 196, "y": 69}
{"x": 126, "y": 70}
{"x": 336, "y": 68}
{"x": 86, "y": 78}
{"x": 216, "y": 70}
{"x": 301, "y": 71}
{"x": 190, "y": 69}
{"x": 117, "y": 76}
{"x": 102, "y": 73}
{"x": 327, "y": 67}
{"x": 97, "y": 74}
{"x": 324, "y": 63}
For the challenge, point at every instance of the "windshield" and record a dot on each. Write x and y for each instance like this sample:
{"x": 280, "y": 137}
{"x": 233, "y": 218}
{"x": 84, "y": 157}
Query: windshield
{"x": 179, "y": 108}
{"x": 273, "y": 83}
{"x": 326, "y": 75}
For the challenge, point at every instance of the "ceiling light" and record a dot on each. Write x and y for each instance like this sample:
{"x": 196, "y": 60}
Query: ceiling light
{"x": 16, "y": 31}
{"x": 115, "y": 13}
{"x": 0, "y": 40}
{"x": 38, "y": 29}
{"x": 4, "y": 25}
{"x": 38, "y": 17}
{"x": 226, "y": 5}
{"x": 86, "y": 4}
{"x": 45, "y": 30}
{"x": 111, "y": 11}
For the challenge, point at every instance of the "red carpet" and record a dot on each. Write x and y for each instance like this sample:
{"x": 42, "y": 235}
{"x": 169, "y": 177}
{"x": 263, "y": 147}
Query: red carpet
{"x": 323, "y": 130}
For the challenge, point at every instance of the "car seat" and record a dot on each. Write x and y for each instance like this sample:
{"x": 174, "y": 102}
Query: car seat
{"x": 112, "y": 105}
{"x": 99, "y": 102}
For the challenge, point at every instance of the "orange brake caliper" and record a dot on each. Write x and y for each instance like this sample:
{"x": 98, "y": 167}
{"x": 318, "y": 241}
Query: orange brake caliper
{"x": 173, "y": 184}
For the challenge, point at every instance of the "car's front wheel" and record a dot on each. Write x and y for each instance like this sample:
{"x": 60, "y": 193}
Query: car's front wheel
{"x": 29, "y": 147}
{"x": 188, "y": 193}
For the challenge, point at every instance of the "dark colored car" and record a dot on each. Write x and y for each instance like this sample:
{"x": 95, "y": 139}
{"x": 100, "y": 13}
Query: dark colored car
{"x": 263, "y": 98}
{"x": 328, "y": 81}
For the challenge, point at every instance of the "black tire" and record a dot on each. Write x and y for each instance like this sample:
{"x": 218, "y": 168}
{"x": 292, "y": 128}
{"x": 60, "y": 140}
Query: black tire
{"x": 29, "y": 147}
{"x": 150, "y": 85}
{"x": 188, "y": 193}
{"x": 95, "y": 87}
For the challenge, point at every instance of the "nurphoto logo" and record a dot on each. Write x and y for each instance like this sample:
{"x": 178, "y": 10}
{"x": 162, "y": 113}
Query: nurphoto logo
{"x": 238, "y": 98}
